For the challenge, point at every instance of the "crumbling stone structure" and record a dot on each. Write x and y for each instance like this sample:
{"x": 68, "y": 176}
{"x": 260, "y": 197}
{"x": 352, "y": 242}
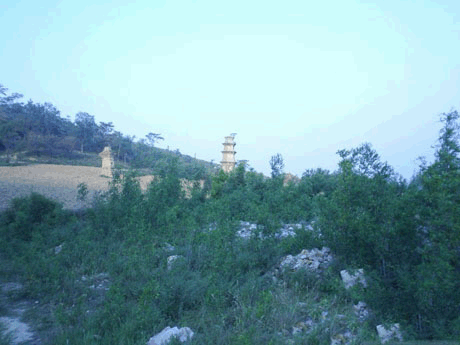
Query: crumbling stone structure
{"x": 107, "y": 161}
{"x": 228, "y": 154}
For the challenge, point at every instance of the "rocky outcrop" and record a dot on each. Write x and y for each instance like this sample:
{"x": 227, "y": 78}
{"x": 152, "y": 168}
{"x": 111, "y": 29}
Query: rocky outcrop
{"x": 389, "y": 333}
{"x": 351, "y": 278}
{"x": 167, "y": 334}
{"x": 247, "y": 230}
{"x": 361, "y": 311}
{"x": 312, "y": 260}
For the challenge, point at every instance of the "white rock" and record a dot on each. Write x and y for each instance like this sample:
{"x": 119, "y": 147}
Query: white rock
{"x": 386, "y": 334}
{"x": 58, "y": 249}
{"x": 351, "y": 279}
{"x": 288, "y": 261}
{"x": 167, "y": 334}
{"x": 342, "y": 338}
{"x": 361, "y": 310}
{"x": 171, "y": 260}
{"x": 313, "y": 260}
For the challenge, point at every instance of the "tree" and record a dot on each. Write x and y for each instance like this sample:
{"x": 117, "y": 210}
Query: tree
{"x": 438, "y": 205}
{"x": 86, "y": 129}
{"x": 11, "y": 129}
{"x": 10, "y": 134}
{"x": 277, "y": 165}
{"x": 153, "y": 138}
{"x": 104, "y": 133}
{"x": 357, "y": 219}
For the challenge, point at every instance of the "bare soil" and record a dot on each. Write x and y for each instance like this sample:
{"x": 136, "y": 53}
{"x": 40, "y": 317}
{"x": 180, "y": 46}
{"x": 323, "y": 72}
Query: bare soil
{"x": 58, "y": 182}
{"x": 13, "y": 309}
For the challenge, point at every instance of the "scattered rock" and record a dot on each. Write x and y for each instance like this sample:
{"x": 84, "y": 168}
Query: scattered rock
{"x": 361, "y": 311}
{"x": 313, "y": 260}
{"x": 288, "y": 230}
{"x": 351, "y": 279}
{"x": 342, "y": 338}
{"x": 168, "y": 247}
{"x": 98, "y": 281}
{"x": 247, "y": 230}
{"x": 58, "y": 249}
{"x": 303, "y": 326}
{"x": 387, "y": 334}
{"x": 167, "y": 334}
{"x": 172, "y": 259}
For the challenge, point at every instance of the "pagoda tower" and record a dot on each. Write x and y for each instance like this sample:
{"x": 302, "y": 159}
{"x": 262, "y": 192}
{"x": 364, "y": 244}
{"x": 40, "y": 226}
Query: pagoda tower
{"x": 228, "y": 154}
{"x": 107, "y": 161}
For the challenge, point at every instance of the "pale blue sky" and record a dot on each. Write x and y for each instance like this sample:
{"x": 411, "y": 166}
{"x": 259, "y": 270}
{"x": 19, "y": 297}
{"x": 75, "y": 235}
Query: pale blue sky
{"x": 300, "y": 78}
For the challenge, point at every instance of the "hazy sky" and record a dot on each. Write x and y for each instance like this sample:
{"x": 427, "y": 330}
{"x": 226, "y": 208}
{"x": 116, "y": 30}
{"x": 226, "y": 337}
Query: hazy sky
{"x": 300, "y": 78}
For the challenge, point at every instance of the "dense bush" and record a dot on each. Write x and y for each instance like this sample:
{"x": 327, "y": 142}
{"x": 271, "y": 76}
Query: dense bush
{"x": 30, "y": 214}
{"x": 405, "y": 235}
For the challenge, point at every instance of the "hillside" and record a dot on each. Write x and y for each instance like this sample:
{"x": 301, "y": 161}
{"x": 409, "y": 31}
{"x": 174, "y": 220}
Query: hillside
{"x": 37, "y": 133}
{"x": 332, "y": 258}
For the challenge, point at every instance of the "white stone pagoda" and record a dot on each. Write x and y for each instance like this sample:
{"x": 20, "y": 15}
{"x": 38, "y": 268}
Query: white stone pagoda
{"x": 228, "y": 154}
{"x": 107, "y": 161}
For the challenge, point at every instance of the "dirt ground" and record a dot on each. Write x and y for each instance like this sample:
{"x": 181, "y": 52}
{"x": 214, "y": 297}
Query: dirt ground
{"x": 59, "y": 182}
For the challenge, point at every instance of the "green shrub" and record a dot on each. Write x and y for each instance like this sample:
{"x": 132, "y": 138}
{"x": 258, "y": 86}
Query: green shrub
{"x": 30, "y": 214}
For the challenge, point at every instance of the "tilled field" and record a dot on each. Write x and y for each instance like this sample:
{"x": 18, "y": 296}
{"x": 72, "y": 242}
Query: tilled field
{"x": 58, "y": 182}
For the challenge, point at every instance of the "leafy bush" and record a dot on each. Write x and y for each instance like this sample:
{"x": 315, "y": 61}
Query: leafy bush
{"x": 27, "y": 215}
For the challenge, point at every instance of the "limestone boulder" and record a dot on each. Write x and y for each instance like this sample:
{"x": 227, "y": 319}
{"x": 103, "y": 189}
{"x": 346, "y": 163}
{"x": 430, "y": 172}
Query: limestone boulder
{"x": 247, "y": 229}
{"x": 172, "y": 260}
{"x": 391, "y": 332}
{"x": 361, "y": 311}
{"x": 353, "y": 278}
{"x": 167, "y": 334}
{"x": 312, "y": 260}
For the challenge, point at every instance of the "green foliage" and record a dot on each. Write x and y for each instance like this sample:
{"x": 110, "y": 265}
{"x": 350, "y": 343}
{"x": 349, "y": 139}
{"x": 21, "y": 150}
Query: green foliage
{"x": 27, "y": 216}
{"x": 407, "y": 237}
{"x": 40, "y": 131}
{"x": 109, "y": 282}
{"x": 164, "y": 198}
{"x": 438, "y": 221}
{"x": 277, "y": 165}
{"x": 357, "y": 220}
{"x": 82, "y": 191}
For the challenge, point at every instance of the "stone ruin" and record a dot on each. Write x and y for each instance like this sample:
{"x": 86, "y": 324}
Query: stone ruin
{"x": 107, "y": 161}
{"x": 228, "y": 154}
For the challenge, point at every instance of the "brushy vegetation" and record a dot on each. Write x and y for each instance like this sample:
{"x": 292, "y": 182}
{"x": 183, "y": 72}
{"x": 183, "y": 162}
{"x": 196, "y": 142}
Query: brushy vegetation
{"x": 101, "y": 277}
{"x": 37, "y": 133}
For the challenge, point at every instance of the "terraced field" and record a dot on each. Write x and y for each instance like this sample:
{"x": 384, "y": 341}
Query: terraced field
{"x": 58, "y": 182}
